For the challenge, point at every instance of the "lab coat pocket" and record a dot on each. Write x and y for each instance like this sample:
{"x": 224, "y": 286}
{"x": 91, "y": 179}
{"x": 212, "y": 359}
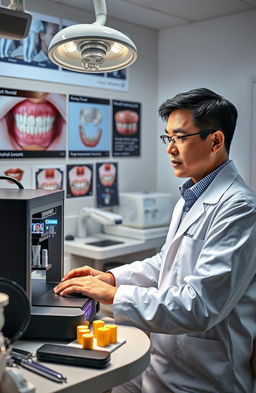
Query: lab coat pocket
{"x": 187, "y": 256}
{"x": 205, "y": 363}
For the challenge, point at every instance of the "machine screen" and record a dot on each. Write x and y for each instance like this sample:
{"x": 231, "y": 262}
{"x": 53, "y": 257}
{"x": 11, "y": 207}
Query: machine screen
{"x": 37, "y": 227}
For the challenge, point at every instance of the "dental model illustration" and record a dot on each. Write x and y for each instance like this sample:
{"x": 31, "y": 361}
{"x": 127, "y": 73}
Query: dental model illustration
{"x": 80, "y": 180}
{"x": 126, "y": 122}
{"x": 36, "y": 122}
{"x": 17, "y": 173}
{"x": 107, "y": 174}
{"x": 29, "y": 43}
{"x": 94, "y": 116}
{"x": 6, "y": 46}
{"x": 49, "y": 179}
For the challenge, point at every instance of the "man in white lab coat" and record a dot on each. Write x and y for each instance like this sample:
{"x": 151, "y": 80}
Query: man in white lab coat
{"x": 197, "y": 297}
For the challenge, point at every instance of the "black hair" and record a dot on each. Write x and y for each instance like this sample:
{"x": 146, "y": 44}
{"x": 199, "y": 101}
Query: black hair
{"x": 210, "y": 111}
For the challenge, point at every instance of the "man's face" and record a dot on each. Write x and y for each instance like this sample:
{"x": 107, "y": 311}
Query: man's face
{"x": 194, "y": 157}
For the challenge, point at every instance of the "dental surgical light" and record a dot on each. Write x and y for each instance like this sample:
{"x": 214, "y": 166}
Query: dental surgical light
{"x": 92, "y": 47}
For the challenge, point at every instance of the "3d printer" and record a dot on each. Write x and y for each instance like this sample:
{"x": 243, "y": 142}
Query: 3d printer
{"x": 31, "y": 233}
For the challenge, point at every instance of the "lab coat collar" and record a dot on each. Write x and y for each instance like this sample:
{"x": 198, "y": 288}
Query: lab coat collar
{"x": 212, "y": 195}
{"x": 220, "y": 184}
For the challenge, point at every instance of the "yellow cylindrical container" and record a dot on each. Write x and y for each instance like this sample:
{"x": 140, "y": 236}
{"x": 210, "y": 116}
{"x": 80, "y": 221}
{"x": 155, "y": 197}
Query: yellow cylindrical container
{"x": 103, "y": 334}
{"x": 80, "y": 332}
{"x": 97, "y": 324}
{"x": 113, "y": 333}
{"x": 80, "y": 327}
{"x": 87, "y": 341}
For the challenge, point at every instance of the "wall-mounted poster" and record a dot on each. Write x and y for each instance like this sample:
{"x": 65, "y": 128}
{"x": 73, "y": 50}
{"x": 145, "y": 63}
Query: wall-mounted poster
{"x": 126, "y": 128}
{"x": 79, "y": 180}
{"x": 32, "y": 124}
{"x": 32, "y": 50}
{"x": 107, "y": 184}
{"x": 28, "y": 58}
{"x": 89, "y": 127}
{"x": 21, "y": 173}
{"x": 49, "y": 178}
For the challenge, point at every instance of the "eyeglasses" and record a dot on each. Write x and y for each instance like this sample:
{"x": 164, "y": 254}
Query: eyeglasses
{"x": 179, "y": 139}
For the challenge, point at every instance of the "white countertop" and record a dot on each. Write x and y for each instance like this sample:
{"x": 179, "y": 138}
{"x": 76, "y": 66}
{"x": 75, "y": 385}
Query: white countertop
{"x": 80, "y": 246}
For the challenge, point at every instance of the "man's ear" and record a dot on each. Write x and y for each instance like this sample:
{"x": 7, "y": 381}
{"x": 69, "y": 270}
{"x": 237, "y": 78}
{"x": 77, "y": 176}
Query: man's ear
{"x": 218, "y": 140}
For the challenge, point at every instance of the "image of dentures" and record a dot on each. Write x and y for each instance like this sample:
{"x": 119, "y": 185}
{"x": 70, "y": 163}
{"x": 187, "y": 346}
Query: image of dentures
{"x": 49, "y": 179}
{"x": 79, "y": 178}
{"x": 17, "y": 173}
{"x": 126, "y": 122}
{"x": 90, "y": 136}
{"x": 107, "y": 174}
{"x": 33, "y": 123}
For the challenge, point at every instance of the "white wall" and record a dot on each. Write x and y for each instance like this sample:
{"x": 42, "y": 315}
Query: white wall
{"x": 219, "y": 54}
{"x": 135, "y": 174}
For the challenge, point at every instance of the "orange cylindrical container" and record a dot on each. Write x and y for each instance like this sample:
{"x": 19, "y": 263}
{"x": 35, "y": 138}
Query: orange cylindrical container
{"x": 97, "y": 324}
{"x": 87, "y": 341}
{"x": 80, "y": 332}
{"x": 112, "y": 333}
{"x": 103, "y": 335}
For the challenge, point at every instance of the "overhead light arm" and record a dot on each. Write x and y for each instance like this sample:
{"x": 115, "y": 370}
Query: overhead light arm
{"x": 92, "y": 47}
{"x": 100, "y": 11}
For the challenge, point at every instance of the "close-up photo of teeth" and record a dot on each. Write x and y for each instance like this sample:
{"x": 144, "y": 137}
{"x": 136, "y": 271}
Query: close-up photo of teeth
{"x": 21, "y": 173}
{"x": 107, "y": 174}
{"x": 34, "y": 122}
{"x": 126, "y": 122}
{"x": 49, "y": 178}
{"x": 17, "y": 173}
{"x": 79, "y": 179}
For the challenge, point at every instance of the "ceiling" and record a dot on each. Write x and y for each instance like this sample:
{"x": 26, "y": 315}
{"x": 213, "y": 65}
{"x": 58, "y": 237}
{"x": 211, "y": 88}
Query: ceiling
{"x": 163, "y": 14}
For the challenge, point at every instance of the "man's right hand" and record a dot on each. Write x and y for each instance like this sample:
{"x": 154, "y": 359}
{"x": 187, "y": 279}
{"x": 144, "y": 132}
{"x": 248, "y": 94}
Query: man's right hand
{"x": 89, "y": 271}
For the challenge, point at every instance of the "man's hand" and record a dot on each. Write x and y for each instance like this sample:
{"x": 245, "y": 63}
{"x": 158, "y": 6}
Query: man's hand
{"x": 89, "y": 271}
{"x": 90, "y": 286}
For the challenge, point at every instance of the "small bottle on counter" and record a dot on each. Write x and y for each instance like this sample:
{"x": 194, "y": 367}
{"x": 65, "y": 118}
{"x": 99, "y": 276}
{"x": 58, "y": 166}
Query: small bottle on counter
{"x": 44, "y": 258}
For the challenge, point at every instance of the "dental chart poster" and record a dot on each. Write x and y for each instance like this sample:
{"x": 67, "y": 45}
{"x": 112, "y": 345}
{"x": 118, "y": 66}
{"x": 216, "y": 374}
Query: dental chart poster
{"x": 126, "y": 128}
{"x": 107, "y": 184}
{"x": 49, "y": 178}
{"x": 32, "y": 124}
{"x": 89, "y": 127}
{"x": 79, "y": 180}
{"x": 21, "y": 173}
{"x": 28, "y": 58}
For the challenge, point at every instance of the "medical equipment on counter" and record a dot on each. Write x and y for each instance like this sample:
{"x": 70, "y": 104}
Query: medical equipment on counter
{"x": 102, "y": 216}
{"x": 35, "y": 218}
{"x": 136, "y": 233}
{"x": 145, "y": 210}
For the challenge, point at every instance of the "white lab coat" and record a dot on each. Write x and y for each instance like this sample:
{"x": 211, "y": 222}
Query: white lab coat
{"x": 198, "y": 295}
